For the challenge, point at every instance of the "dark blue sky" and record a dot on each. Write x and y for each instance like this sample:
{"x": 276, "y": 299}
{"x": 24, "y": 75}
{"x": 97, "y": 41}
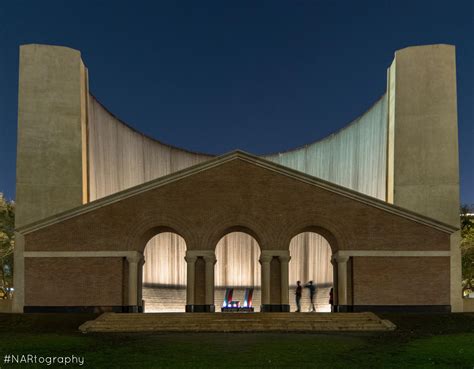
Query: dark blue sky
{"x": 262, "y": 76}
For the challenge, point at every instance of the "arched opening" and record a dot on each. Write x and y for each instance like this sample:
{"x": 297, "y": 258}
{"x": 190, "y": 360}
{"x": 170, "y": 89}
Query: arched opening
{"x": 237, "y": 270}
{"x": 311, "y": 261}
{"x": 164, "y": 273}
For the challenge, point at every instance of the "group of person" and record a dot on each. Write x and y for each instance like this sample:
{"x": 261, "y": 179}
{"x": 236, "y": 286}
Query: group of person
{"x": 312, "y": 293}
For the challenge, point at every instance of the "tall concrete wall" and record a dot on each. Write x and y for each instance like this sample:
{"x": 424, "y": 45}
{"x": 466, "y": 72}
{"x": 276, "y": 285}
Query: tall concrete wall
{"x": 51, "y": 170}
{"x": 423, "y": 167}
{"x": 425, "y": 137}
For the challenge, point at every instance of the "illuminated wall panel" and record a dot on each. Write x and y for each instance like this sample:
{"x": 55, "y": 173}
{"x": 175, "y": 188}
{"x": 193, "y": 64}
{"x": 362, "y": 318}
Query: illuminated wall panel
{"x": 310, "y": 259}
{"x": 354, "y": 157}
{"x": 120, "y": 157}
{"x": 237, "y": 264}
{"x": 164, "y": 260}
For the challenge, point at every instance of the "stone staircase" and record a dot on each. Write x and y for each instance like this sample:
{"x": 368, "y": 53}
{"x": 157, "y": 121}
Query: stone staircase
{"x": 237, "y": 322}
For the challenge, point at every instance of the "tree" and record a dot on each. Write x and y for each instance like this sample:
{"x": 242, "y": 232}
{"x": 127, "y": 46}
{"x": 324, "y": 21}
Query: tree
{"x": 7, "y": 242}
{"x": 467, "y": 248}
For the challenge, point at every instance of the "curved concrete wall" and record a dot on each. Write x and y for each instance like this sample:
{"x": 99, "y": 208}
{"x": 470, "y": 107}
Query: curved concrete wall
{"x": 354, "y": 157}
{"x": 121, "y": 157}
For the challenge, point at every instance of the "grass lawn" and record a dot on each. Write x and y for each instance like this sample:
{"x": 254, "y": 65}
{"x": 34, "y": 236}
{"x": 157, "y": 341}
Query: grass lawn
{"x": 421, "y": 341}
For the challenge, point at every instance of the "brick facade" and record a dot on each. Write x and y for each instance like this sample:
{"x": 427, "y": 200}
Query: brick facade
{"x": 206, "y": 205}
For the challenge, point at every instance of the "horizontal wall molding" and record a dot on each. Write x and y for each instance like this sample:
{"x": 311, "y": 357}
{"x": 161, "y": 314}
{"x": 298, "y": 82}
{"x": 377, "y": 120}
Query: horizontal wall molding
{"x": 124, "y": 254}
{"x": 390, "y": 253}
{"x": 198, "y": 253}
{"x": 81, "y": 254}
{"x": 275, "y": 253}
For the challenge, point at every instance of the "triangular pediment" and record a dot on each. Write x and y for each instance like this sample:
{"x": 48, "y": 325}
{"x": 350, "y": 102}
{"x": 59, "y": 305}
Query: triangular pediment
{"x": 250, "y": 160}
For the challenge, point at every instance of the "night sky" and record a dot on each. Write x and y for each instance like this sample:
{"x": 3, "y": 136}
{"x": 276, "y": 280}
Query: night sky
{"x": 262, "y": 76}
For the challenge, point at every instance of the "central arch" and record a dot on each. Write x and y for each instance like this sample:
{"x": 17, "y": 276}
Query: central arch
{"x": 310, "y": 263}
{"x": 238, "y": 268}
{"x": 319, "y": 246}
{"x": 163, "y": 275}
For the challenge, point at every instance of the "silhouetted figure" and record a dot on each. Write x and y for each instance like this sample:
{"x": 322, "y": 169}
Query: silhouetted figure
{"x": 298, "y": 296}
{"x": 331, "y": 299}
{"x": 312, "y": 293}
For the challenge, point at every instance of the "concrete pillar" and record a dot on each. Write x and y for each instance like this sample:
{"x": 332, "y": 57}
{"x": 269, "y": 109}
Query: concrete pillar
{"x": 284, "y": 260}
{"x": 141, "y": 303}
{"x": 210, "y": 262}
{"x": 52, "y": 132}
{"x": 342, "y": 281}
{"x": 194, "y": 280}
{"x": 456, "y": 273}
{"x": 190, "y": 282}
{"x": 265, "y": 262}
{"x": 423, "y": 124}
{"x": 133, "y": 262}
{"x": 19, "y": 274}
{"x": 335, "y": 281}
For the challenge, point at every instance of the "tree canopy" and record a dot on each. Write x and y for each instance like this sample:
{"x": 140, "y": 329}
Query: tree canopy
{"x": 7, "y": 242}
{"x": 467, "y": 248}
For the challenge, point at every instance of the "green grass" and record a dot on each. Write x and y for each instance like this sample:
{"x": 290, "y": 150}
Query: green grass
{"x": 422, "y": 341}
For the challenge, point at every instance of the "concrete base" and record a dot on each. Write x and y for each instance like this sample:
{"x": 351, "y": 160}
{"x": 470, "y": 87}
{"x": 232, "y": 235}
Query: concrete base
{"x": 393, "y": 308}
{"x": 83, "y": 309}
{"x": 5, "y": 306}
{"x": 342, "y": 308}
{"x": 273, "y": 308}
{"x": 468, "y": 305}
{"x": 200, "y": 308}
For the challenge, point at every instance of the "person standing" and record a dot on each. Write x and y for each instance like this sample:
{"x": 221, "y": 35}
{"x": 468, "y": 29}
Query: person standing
{"x": 312, "y": 293}
{"x": 331, "y": 299}
{"x": 298, "y": 296}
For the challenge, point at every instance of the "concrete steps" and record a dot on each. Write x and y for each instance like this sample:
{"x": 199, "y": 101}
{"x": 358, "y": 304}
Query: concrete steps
{"x": 237, "y": 322}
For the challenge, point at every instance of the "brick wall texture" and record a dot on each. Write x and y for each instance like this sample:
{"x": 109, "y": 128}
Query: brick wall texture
{"x": 206, "y": 205}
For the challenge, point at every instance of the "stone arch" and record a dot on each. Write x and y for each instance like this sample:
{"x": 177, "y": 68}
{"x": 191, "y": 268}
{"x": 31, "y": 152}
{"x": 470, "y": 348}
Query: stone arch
{"x": 144, "y": 227}
{"x": 332, "y": 232}
{"x": 142, "y": 230}
{"x": 311, "y": 263}
{"x": 164, "y": 272}
{"x": 219, "y": 227}
{"x": 337, "y": 239}
{"x": 237, "y": 266}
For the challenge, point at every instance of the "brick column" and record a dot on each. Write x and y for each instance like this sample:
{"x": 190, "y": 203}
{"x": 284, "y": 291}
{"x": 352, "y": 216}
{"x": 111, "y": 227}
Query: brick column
{"x": 341, "y": 282}
{"x": 133, "y": 262}
{"x": 210, "y": 262}
{"x": 190, "y": 279}
{"x": 335, "y": 298}
{"x": 141, "y": 303}
{"x": 284, "y": 260}
{"x": 266, "y": 258}
{"x": 209, "y": 258}
{"x": 265, "y": 262}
